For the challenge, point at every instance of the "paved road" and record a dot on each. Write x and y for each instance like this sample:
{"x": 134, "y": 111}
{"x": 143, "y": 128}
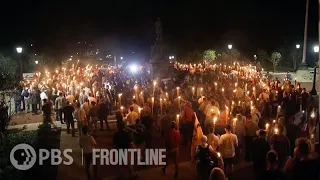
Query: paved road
{"x": 104, "y": 140}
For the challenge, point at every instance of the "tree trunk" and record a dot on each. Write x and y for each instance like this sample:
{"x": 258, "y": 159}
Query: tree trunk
{"x": 274, "y": 68}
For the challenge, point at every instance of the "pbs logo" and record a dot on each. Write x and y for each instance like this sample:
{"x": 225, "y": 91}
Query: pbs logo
{"x": 23, "y": 157}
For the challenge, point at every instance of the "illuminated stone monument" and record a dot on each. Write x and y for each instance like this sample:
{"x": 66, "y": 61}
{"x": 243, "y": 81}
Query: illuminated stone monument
{"x": 161, "y": 67}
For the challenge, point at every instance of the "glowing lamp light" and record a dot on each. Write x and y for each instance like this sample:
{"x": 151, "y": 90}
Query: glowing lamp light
{"x": 267, "y": 125}
{"x": 133, "y": 68}
{"x": 230, "y": 46}
{"x": 219, "y": 155}
{"x": 276, "y": 130}
{"x": 19, "y": 50}
{"x": 316, "y": 49}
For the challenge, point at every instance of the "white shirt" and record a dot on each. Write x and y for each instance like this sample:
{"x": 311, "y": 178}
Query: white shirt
{"x": 131, "y": 118}
{"x": 227, "y": 145}
{"x": 135, "y": 108}
{"x": 213, "y": 141}
{"x": 58, "y": 103}
{"x": 86, "y": 107}
{"x": 43, "y": 96}
{"x": 80, "y": 115}
{"x": 87, "y": 143}
{"x": 82, "y": 98}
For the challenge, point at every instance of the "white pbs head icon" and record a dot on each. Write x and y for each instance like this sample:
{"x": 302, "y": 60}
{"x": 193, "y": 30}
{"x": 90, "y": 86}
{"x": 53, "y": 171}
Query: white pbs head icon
{"x": 23, "y": 157}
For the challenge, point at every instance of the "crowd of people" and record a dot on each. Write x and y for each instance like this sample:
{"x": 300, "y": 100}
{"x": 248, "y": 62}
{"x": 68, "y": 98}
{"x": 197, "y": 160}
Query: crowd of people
{"x": 225, "y": 113}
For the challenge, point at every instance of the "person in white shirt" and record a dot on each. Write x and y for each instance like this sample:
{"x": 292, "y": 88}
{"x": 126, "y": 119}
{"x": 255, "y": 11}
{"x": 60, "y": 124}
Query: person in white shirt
{"x": 58, "y": 106}
{"x": 86, "y": 106}
{"x": 255, "y": 115}
{"x": 83, "y": 97}
{"x": 201, "y": 109}
{"x": 92, "y": 99}
{"x": 81, "y": 117}
{"x": 227, "y": 145}
{"x": 26, "y": 94}
{"x": 87, "y": 143}
{"x": 131, "y": 117}
{"x": 203, "y": 104}
{"x": 135, "y": 106}
{"x": 43, "y": 96}
{"x": 213, "y": 140}
{"x": 211, "y": 111}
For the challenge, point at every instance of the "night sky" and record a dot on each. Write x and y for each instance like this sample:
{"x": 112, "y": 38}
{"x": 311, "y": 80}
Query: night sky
{"x": 56, "y": 26}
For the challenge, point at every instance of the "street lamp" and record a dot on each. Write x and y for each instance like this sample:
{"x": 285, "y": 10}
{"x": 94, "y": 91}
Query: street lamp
{"x": 298, "y": 46}
{"x": 37, "y": 62}
{"x": 121, "y": 58}
{"x": 19, "y": 51}
{"x": 230, "y": 54}
{"x": 171, "y": 57}
{"x": 313, "y": 90}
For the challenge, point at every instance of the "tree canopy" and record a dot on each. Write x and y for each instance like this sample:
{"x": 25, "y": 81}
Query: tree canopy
{"x": 275, "y": 59}
{"x": 8, "y": 73}
{"x": 209, "y": 55}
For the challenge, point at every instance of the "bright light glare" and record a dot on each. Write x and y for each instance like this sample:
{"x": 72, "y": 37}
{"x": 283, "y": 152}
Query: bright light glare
{"x": 133, "y": 68}
{"x": 316, "y": 49}
{"x": 230, "y": 46}
{"x": 19, "y": 49}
